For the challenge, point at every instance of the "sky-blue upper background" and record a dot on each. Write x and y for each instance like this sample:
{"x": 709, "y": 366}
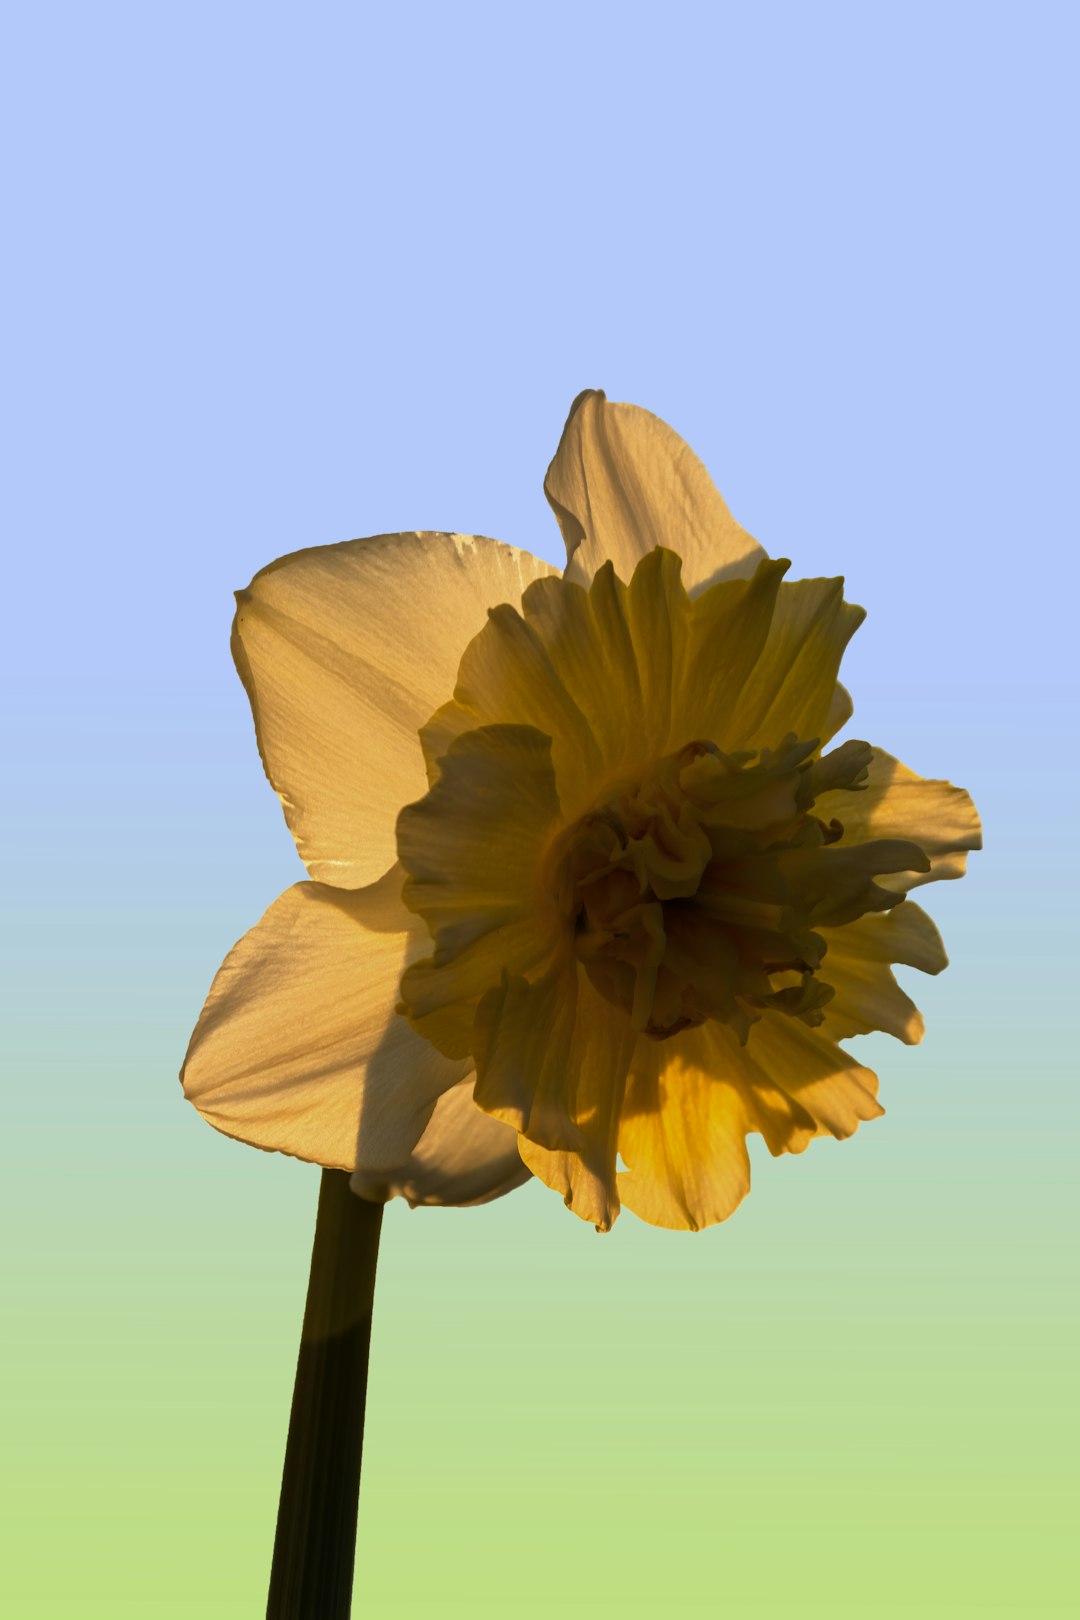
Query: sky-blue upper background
{"x": 278, "y": 276}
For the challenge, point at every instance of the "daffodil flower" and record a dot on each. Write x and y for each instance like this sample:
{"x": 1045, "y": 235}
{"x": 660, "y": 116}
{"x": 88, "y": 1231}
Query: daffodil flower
{"x": 588, "y": 882}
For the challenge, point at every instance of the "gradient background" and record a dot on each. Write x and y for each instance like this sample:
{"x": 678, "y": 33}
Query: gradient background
{"x": 280, "y": 276}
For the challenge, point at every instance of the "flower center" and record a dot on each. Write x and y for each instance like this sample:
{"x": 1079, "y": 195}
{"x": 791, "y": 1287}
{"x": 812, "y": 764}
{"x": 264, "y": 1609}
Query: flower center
{"x": 694, "y": 891}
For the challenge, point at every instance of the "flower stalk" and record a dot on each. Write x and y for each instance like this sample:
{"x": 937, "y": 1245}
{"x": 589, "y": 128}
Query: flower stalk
{"x": 315, "y": 1542}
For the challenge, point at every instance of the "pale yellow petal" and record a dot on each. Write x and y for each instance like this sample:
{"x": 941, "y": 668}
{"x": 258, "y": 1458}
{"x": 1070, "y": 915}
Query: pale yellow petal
{"x": 551, "y": 1060}
{"x": 857, "y": 967}
{"x": 897, "y": 803}
{"x": 345, "y": 651}
{"x": 622, "y": 482}
{"x": 464, "y": 1157}
{"x": 474, "y": 850}
{"x": 299, "y": 1047}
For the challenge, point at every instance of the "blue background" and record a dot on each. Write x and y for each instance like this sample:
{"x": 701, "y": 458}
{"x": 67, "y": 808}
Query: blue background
{"x": 280, "y": 276}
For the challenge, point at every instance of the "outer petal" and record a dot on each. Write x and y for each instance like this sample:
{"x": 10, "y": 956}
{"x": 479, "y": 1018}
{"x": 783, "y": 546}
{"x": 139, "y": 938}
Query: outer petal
{"x": 464, "y": 1157}
{"x": 622, "y": 482}
{"x": 345, "y": 651}
{"x": 299, "y": 1048}
{"x": 896, "y": 803}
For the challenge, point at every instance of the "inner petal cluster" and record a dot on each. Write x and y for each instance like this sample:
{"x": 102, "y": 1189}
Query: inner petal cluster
{"x": 693, "y": 893}
{"x": 646, "y": 887}
{"x": 624, "y": 784}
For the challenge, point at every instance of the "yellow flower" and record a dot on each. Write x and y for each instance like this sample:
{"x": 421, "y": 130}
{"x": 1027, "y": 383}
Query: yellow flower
{"x": 631, "y": 904}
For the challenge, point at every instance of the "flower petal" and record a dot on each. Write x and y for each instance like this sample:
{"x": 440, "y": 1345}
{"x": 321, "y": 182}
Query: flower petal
{"x": 857, "y": 967}
{"x": 693, "y": 1099}
{"x": 808, "y": 1067}
{"x": 793, "y": 685}
{"x": 618, "y": 675}
{"x": 464, "y": 1157}
{"x": 299, "y": 1048}
{"x": 683, "y": 1135}
{"x": 345, "y": 651}
{"x": 896, "y": 803}
{"x": 474, "y": 849}
{"x": 840, "y": 712}
{"x": 509, "y": 675}
{"x": 554, "y": 1056}
{"x": 622, "y": 482}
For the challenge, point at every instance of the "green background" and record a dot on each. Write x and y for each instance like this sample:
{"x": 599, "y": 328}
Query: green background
{"x": 282, "y": 277}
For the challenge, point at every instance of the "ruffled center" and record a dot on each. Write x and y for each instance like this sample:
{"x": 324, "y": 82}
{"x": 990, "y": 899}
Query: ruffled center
{"x": 695, "y": 891}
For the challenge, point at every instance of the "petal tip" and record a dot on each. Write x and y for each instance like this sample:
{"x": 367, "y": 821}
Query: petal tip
{"x": 580, "y": 399}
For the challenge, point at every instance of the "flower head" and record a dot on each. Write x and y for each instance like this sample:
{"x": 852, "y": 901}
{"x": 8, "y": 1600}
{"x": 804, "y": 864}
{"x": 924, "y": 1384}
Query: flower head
{"x": 640, "y": 901}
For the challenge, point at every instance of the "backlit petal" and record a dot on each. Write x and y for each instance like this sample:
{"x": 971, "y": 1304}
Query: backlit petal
{"x": 896, "y": 803}
{"x": 464, "y": 1157}
{"x": 808, "y": 1067}
{"x": 474, "y": 849}
{"x": 692, "y": 1101}
{"x": 510, "y": 674}
{"x": 299, "y": 1048}
{"x": 345, "y": 651}
{"x": 857, "y": 966}
{"x": 683, "y": 1134}
{"x": 621, "y": 674}
{"x": 840, "y": 712}
{"x": 622, "y": 482}
{"x": 552, "y": 1058}
{"x": 793, "y": 687}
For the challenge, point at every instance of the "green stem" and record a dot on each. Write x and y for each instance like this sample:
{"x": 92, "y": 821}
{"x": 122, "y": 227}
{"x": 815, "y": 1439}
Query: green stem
{"x": 315, "y": 1544}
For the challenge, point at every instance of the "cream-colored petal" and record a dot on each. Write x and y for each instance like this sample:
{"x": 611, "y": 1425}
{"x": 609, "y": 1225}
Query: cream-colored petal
{"x": 299, "y": 1048}
{"x": 897, "y": 803}
{"x": 474, "y": 850}
{"x": 622, "y": 482}
{"x": 345, "y": 651}
{"x": 464, "y": 1157}
{"x": 857, "y": 962}
{"x": 551, "y": 1060}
